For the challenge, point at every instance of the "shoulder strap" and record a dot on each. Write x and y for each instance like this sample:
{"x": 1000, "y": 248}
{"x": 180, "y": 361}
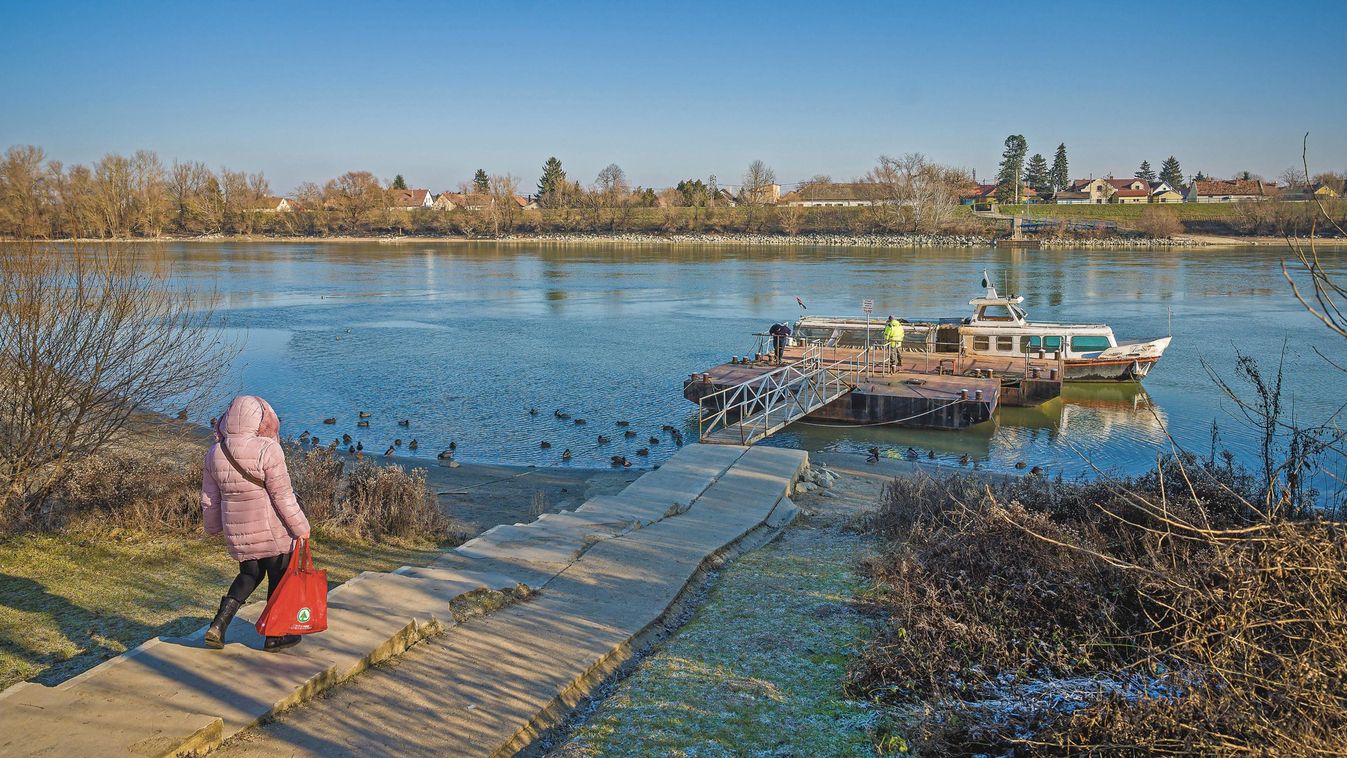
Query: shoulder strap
{"x": 230, "y": 456}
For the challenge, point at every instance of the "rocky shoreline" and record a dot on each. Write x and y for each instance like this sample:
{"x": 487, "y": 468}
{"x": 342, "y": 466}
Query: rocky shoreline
{"x": 834, "y": 240}
{"x": 701, "y": 238}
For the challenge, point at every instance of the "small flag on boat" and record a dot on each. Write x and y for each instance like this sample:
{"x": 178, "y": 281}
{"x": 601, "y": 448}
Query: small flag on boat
{"x": 801, "y": 302}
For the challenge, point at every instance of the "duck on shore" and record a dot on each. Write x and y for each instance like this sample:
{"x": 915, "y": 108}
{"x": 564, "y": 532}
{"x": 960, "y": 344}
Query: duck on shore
{"x": 389, "y": 452}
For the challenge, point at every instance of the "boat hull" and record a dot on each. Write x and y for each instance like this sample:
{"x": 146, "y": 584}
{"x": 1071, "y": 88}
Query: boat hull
{"x": 1125, "y": 370}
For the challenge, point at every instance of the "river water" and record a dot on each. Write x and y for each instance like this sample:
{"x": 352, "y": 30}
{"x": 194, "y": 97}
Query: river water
{"x": 461, "y": 339}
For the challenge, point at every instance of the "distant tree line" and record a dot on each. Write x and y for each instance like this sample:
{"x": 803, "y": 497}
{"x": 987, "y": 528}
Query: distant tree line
{"x": 142, "y": 196}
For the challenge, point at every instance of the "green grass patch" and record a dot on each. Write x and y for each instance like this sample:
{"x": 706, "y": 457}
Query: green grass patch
{"x": 70, "y": 601}
{"x": 1123, "y": 212}
{"x": 758, "y": 670}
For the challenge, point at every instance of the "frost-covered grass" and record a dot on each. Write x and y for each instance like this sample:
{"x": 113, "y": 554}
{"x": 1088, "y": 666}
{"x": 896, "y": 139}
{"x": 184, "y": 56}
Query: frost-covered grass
{"x": 758, "y": 670}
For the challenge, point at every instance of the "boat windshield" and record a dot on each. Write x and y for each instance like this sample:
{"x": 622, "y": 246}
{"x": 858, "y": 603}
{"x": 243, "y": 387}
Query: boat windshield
{"x": 1007, "y": 312}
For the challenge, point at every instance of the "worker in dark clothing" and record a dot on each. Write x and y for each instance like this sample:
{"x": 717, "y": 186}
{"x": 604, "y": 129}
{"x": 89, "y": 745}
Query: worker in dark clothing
{"x": 779, "y": 334}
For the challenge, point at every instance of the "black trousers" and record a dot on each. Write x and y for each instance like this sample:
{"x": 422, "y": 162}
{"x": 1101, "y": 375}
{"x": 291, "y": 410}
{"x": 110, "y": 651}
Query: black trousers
{"x": 250, "y": 575}
{"x": 778, "y": 347}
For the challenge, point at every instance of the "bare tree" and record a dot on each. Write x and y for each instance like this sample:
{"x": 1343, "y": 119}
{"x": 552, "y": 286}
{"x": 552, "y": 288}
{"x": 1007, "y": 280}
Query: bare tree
{"x": 504, "y": 209}
{"x": 757, "y": 190}
{"x": 25, "y": 198}
{"x": 89, "y": 349}
{"x": 357, "y": 198}
{"x": 913, "y": 193}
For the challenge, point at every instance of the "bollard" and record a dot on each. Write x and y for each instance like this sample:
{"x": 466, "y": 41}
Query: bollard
{"x": 977, "y": 395}
{"x": 1052, "y": 374}
{"x": 963, "y": 394}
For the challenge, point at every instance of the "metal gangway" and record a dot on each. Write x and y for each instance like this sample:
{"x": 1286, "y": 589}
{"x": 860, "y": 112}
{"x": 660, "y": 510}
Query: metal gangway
{"x": 747, "y": 412}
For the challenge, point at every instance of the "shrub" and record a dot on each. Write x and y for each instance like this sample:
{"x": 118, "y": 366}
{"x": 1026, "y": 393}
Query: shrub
{"x": 1159, "y": 222}
{"x": 387, "y": 501}
{"x": 315, "y": 474}
{"x": 133, "y": 491}
{"x": 1162, "y": 614}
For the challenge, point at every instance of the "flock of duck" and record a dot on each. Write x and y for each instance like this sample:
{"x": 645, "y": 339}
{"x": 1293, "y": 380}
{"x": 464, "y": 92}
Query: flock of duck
{"x": 911, "y": 454}
{"x": 357, "y": 447}
{"x": 675, "y": 436}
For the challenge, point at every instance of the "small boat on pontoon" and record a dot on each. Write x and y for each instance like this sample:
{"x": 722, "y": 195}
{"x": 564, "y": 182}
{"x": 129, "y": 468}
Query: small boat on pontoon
{"x": 1000, "y": 328}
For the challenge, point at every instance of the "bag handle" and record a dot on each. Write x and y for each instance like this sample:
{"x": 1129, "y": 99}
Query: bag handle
{"x": 233, "y": 462}
{"x": 303, "y": 554}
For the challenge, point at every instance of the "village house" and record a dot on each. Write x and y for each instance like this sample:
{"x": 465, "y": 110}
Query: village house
{"x": 1164, "y": 192}
{"x": 1085, "y": 192}
{"x": 526, "y": 203}
{"x": 766, "y": 195}
{"x": 1231, "y": 191}
{"x": 839, "y": 194}
{"x": 275, "y": 205}
{"x": 985, "y": 194}
{"x": 409, "y": 199}
{"x": 1316, "y": 191}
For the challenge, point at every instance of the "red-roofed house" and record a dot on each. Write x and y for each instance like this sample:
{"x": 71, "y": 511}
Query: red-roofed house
{"x": 409, "y": 199}
{"x": 1231, "y": 191}
{"x": 986, "y": 193}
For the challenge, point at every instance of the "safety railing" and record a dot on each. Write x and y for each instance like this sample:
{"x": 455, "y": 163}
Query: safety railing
{"x": 753, "y": 409}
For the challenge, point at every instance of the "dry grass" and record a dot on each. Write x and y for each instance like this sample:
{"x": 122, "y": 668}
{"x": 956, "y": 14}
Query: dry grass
{"x": 1142, "y": 617}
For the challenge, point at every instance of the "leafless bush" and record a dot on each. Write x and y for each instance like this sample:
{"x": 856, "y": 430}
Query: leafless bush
{"x": 87, "y": 345}
{"x": 130, "y": 490}
{"x": 387, "y": 501}
{"x": 315, "y": 474}
{"x": 1159, "y": 222}
{"x": 1174, "y": 614}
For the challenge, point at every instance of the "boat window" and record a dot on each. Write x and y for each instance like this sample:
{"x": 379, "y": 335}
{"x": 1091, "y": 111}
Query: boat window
{"x": 981, "y": 343}
{"x": 995, "y": 313}
{"x": 1049, "y": 344}
{"x": 1084, "y": 343}
{"x": 1005, "y": 344}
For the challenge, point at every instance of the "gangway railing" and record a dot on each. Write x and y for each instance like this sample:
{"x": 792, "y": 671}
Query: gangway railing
{"x": 747, "y": 412}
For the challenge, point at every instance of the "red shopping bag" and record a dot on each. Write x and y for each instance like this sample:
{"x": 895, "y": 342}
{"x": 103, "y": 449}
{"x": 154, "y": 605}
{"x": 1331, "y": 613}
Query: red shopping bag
{"x": 299, "y": 604}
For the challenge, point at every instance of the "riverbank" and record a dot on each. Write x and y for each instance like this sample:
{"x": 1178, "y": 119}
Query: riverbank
{"x": 74, "y": 598}
{"x": 704, "y": 239}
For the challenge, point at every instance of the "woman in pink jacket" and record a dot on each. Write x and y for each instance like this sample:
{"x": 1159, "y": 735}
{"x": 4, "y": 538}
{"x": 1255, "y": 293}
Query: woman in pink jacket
{"x": 246, "y": 493}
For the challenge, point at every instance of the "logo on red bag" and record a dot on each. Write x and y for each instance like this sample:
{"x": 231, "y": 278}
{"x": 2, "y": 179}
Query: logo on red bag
{"x": 303, "y": 615}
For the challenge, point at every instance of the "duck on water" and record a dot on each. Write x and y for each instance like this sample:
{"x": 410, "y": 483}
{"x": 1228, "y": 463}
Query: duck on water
{"x": 1000, "y": 328}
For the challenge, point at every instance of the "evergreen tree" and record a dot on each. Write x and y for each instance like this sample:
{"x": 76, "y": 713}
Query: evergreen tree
{"x": 480, "y": 182}
{"x": 552, "y": 185}
{"x": 1170, "y": 172}
{"x": 1145, "y": 172}
{"x": 1060, "y": 176}
{"x": 399, "y": 182}
{"x": 1010, "y": 174}
{"x": 1200, "y": 177}
{"x": 1037, "y": 174}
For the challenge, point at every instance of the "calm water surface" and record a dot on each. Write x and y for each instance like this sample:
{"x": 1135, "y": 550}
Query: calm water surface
{"x": 463, "y": 338}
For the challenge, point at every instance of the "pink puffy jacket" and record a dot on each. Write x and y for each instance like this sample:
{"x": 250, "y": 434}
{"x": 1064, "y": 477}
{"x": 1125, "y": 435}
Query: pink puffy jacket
{"x": 257, "y": 522}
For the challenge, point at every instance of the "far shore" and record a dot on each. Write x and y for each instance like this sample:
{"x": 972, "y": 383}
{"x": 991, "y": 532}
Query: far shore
{"x": 728, "y": 239}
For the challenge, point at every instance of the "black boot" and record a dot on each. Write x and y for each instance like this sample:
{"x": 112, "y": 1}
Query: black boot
{"x": 280, "y": 643}
{"x": 215, "y": 634}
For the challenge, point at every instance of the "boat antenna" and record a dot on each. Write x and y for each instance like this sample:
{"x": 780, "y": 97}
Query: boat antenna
{"x": 1170, "y": 309}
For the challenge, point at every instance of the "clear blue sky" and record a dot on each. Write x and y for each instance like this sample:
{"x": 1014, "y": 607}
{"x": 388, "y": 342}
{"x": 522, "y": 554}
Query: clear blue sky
{"x": 306, "y": 90}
